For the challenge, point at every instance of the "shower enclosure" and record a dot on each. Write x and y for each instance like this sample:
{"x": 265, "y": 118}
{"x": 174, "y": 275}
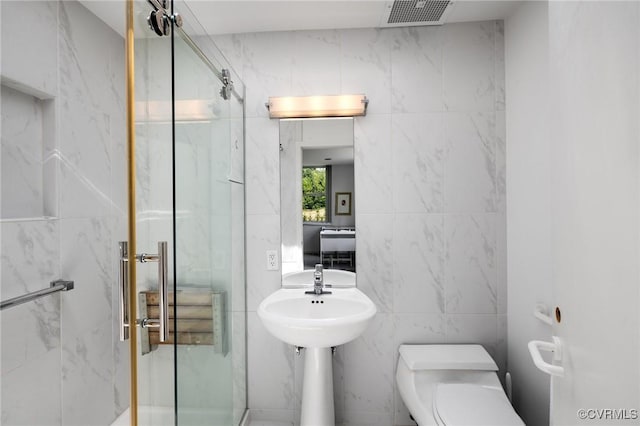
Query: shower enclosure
{"x": 186, "y": 211}
{"x": 122, "y": 290}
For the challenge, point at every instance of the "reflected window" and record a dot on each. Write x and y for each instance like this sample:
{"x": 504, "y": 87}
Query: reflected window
{"x": 315, "y": 194}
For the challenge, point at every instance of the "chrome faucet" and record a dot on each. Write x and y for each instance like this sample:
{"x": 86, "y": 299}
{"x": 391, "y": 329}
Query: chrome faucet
{"x": 318, "y": 279}
{"x": 318, "y": 282}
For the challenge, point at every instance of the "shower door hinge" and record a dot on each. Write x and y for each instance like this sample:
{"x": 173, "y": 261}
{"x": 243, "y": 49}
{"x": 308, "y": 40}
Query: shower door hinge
{"x": 227, "y": 85}
{"x": 160, "y": 17}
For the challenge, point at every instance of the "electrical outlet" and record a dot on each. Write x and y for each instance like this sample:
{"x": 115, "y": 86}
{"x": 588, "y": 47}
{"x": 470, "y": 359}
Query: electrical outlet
{"x": 272, "y": 260}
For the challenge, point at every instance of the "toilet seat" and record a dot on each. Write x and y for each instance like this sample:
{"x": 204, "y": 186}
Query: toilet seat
{"x": 468, "y": 404}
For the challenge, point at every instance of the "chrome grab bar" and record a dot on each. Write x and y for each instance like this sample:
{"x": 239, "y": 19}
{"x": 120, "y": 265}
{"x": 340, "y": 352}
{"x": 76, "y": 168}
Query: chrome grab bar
{"x": 163, "y": 290}
{"x": 55, "y": 286}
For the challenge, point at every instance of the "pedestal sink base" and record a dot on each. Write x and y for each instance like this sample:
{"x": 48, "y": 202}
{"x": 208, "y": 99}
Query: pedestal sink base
{"x": 317, "y": 388}
{"x": 317, "y": 322}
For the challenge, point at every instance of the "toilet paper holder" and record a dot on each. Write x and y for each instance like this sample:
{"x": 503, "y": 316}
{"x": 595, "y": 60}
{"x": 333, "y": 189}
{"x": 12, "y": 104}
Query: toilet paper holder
{"x": 541, "y": 313}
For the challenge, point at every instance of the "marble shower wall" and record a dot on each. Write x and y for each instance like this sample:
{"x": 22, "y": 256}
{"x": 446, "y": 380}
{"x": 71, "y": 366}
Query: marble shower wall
{"x": 430, "y": 184}
{"x": 56, "y": 348}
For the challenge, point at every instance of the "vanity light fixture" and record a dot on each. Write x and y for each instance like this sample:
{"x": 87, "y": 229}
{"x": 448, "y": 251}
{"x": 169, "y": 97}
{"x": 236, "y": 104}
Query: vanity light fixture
{"x": 317, "y": 106}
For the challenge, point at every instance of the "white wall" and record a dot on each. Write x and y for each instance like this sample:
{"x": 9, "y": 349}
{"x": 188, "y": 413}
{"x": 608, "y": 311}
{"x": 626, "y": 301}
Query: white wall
{"x": 291, "y": 255}
{"x": 61, "y": 359}
{"x": 321, "y": 133}
{"x": 529, "y": 203}
{"x": 594, "y": 50}
{"x": 342, "y": 180}
{"x": 573, "y": 197}
{"x": 429, "y": 179}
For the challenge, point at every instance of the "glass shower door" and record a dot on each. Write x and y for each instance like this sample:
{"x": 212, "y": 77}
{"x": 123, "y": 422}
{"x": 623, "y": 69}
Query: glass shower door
{"x": 189, "y": 193}
{"x": 207, "y": 205}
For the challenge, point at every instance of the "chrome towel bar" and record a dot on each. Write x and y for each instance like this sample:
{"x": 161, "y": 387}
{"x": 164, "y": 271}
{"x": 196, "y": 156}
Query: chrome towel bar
{"x": 58, "y": 285}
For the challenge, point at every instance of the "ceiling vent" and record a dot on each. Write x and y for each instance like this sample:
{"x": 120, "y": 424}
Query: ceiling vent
{"x": 402, "y": 13}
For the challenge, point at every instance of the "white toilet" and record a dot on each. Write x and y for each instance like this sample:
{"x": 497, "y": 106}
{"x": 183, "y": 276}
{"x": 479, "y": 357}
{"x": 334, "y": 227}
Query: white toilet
{"x": 453, "y": 385}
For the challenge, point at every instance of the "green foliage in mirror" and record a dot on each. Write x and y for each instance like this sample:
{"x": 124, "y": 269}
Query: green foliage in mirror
{"x": 314, "y": 194}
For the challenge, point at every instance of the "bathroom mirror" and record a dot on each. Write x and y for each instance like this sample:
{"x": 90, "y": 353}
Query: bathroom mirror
{"x": 317, "y": 210}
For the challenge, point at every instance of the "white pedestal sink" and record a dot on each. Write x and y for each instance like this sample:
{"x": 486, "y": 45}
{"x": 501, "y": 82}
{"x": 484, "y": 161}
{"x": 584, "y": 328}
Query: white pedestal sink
{"x": 317, "y": 322}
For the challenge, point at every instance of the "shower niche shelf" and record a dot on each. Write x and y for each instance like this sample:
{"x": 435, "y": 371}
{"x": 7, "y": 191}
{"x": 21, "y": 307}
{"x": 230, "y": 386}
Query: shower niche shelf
{"x": 29, "y": 177}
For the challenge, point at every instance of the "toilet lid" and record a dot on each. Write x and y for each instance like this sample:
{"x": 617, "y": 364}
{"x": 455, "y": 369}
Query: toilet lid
{"x": 467, "y": 404}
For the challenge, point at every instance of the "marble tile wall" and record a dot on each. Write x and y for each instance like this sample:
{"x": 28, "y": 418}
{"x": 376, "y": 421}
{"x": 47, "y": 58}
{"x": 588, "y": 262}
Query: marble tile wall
{"x": 56, "y": 348}
{"x": 429, "y": 167}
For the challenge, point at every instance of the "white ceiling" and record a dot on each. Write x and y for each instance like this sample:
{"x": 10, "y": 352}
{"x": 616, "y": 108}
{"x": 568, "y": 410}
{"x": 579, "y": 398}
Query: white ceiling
{"x": 247, "y": 16}
{"x": 325, "y": 156}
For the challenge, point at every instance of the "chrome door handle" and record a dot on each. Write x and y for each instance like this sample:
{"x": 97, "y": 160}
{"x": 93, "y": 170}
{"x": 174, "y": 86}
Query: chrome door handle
{"x": 123, "y": 291}
{"x": 163, "y": 291}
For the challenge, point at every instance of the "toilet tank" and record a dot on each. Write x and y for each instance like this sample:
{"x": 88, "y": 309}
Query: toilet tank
{"x": 422, "y": 367}
{"x": 447, "y": 357}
